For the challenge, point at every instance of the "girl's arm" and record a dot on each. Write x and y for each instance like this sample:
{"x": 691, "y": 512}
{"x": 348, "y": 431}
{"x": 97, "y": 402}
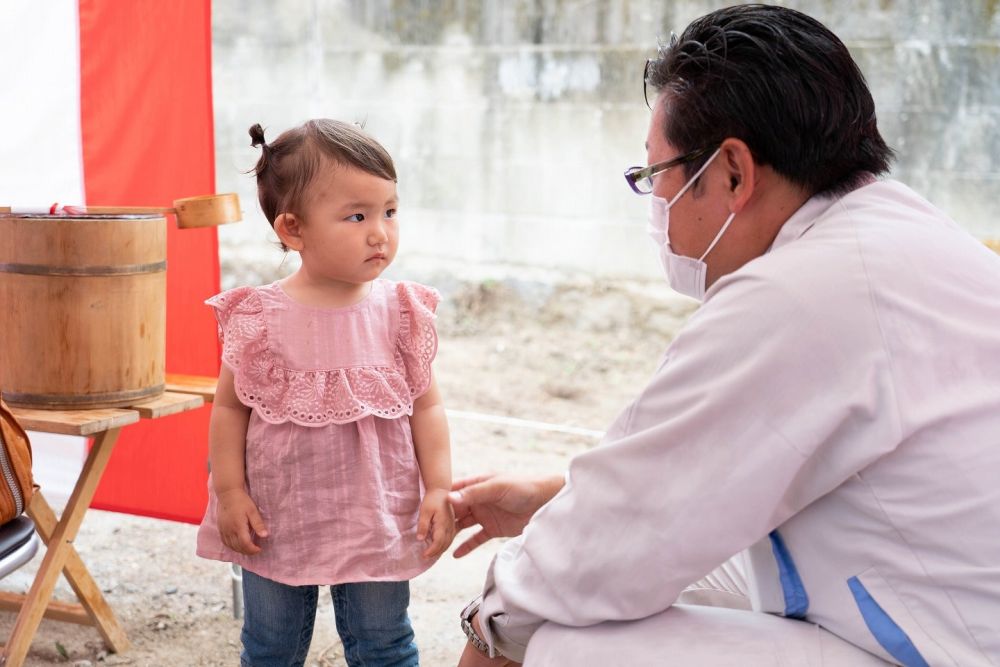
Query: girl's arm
{"x": 227, "y": 437}
{"x": 430, "y": 439}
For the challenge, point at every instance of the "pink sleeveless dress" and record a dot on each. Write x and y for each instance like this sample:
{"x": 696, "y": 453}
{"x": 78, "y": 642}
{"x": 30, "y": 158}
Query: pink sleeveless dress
{"x": 330, "y": 461}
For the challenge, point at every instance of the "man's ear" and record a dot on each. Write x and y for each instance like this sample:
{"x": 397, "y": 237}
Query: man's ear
{"x": 740, "y": 172}
{"x": 289, "y": 230}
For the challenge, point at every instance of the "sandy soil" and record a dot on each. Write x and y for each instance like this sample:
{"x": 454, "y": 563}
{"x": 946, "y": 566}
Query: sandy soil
{"x": 569, "y": 354}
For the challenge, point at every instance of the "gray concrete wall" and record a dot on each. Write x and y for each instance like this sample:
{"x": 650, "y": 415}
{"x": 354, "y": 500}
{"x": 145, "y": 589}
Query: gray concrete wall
{"x": 511, "y": 120}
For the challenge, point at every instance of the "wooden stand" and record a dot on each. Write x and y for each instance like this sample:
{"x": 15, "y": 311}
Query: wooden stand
{"x": 58, "y": 534}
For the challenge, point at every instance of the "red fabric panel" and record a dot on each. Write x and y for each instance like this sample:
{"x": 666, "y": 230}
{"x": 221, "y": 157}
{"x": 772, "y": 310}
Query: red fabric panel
{"x": 147, "y": 129}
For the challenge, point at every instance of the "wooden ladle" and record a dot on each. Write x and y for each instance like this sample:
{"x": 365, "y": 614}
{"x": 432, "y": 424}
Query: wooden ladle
{"x": 191, "y": 212}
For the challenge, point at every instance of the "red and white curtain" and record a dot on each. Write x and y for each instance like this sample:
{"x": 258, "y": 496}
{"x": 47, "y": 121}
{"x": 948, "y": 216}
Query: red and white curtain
{"x": 109, "y": 102}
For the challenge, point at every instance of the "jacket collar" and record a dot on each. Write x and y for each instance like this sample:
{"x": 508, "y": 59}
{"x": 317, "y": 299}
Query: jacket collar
{"x": 808, "y": 214}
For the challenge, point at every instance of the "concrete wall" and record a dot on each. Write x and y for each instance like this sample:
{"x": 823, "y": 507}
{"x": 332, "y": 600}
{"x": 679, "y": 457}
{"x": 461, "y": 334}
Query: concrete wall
{"x": 511, "y": 120}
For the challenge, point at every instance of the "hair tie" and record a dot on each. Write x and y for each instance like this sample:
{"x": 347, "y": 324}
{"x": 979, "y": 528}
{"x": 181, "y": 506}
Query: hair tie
{"x": 257, "y": 139}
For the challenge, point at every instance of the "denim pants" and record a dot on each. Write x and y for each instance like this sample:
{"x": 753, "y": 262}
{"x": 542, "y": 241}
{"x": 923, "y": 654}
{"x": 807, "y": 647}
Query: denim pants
{"x": 371, "y": 621}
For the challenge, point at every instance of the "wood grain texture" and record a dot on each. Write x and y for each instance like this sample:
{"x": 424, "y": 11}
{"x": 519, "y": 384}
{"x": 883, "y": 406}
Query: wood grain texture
{"x": 168, "y": 403}
{"x": 74, "y": 422}
{"x": 58, "y": 549}
{"x": 94, "y": 607}
{"x": 75, "y": 341}
{"x": 200, "y": 385}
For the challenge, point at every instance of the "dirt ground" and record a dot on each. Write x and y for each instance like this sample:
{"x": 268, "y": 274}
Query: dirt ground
{"x": 568, "y": 354}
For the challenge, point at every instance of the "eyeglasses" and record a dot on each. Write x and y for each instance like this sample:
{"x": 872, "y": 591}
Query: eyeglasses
{"x": 640, "y": 179}
{"x": 649, "y": 64}
{"x": 645, "y": 83}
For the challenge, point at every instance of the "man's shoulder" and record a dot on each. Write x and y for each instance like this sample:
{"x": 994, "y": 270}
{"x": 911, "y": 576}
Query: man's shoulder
{"x": 856, "y": 236}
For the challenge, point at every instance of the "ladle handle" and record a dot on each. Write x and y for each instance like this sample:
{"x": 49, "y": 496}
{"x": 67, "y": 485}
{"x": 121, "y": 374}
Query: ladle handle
{"x": 120, "y": 210}
{"x": 191, "y": 212}
{"x": 55, "y": 209}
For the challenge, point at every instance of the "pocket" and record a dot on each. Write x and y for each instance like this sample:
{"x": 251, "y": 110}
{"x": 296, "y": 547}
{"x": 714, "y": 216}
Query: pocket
{"x": 889, "y": 620}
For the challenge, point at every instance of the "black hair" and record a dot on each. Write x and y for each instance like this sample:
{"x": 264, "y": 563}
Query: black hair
{"x": 781, "y": 82}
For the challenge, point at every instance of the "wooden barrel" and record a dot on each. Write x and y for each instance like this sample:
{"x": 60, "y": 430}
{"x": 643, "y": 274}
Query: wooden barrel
{"x": 83, "y": 307}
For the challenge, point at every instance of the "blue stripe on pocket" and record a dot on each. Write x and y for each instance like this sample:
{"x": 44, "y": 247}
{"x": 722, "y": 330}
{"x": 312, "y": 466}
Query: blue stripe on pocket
{"x": 889, "y": 635}
{"x": 796, "y": 598}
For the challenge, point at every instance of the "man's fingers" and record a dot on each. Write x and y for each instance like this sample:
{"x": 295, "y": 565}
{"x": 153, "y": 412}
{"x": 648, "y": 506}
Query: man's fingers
{"x": 486, "y": 491}
{"x": 471, "y": 491}
{"x": 471, "y": 543}
{"x": 460, "y": 484}
{"x": 465, "y": 521}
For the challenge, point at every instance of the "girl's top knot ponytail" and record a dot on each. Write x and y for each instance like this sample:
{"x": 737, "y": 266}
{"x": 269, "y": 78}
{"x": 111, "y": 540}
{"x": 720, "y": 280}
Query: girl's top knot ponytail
{"x": 257, "y": 136}
{"x": 257, "y": 139}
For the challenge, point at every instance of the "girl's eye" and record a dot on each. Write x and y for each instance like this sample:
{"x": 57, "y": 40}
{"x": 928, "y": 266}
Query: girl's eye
{"x": 357, "y": 217}
{"x": 391, "y": 213}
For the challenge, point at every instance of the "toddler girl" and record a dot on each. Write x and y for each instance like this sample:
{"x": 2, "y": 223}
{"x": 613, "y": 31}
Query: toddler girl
{"x": 328, "y": 441}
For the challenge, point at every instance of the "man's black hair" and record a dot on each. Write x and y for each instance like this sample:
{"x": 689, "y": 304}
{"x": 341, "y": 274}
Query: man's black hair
{"x": 781, "y": 82}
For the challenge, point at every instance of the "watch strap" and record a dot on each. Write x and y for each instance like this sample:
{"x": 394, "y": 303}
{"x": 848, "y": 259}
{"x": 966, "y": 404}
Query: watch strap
{"x": 470, "y": 631}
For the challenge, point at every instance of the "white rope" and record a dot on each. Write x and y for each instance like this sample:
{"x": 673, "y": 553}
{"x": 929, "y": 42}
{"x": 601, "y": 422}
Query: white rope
{"x": 524, "y": 423}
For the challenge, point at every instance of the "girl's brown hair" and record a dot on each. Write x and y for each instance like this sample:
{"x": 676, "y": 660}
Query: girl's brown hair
{"x": 289, "y": 164}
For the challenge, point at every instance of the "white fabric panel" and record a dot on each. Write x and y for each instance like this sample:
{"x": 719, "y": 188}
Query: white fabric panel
{"x": 42, "y": 156}
{"x": 42, "y": 159}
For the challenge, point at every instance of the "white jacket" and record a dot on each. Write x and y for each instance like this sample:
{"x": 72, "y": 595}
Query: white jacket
{"x": 832, "y": 410}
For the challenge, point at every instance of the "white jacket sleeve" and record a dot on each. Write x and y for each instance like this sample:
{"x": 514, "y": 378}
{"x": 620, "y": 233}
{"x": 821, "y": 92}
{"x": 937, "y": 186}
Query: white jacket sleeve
{"x": 771, "y": 397}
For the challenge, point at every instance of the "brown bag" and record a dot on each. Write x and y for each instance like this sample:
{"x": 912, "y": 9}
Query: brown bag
{"x": 16, "y": 483}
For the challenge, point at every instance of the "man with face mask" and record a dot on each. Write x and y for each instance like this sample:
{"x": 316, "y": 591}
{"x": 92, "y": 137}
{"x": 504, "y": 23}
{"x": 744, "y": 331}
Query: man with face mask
{"x": 816, "y": 459}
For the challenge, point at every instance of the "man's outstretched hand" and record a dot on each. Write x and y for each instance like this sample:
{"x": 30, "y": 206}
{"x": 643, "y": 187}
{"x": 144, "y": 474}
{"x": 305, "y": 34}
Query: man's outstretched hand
{"x": 501, "y": 505}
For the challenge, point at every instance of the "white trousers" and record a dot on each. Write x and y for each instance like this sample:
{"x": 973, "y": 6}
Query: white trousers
{"x": 725, "y": 634}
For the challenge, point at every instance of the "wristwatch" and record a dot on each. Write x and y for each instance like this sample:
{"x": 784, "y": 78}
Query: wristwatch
{"x": 470, "y": 632}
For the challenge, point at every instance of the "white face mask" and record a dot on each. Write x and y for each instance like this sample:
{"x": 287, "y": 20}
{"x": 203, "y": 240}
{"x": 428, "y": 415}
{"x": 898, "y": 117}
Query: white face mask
{"x": 684, "y": 274}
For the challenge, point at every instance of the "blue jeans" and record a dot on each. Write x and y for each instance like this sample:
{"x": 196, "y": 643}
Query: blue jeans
{"x": 371, "y": 621}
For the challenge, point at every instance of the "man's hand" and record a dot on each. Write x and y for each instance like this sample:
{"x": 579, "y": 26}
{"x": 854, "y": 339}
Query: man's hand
{"x": 237, "y": 516}
{"x": 437, "y": 519}
{"x": 502, "y": 505}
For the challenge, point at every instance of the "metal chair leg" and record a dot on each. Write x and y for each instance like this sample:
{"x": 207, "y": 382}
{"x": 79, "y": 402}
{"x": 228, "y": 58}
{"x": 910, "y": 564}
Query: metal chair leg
{"x": 236, "y": 573}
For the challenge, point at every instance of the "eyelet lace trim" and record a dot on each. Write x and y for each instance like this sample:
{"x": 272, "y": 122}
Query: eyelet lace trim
{"x": 337, "y": 396}
{"x": 417, "y": 339}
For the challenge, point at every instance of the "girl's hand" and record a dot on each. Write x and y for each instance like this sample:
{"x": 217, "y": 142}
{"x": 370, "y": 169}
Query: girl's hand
{"x": 237, "y": 517}
{"x": 437, "y": 519}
